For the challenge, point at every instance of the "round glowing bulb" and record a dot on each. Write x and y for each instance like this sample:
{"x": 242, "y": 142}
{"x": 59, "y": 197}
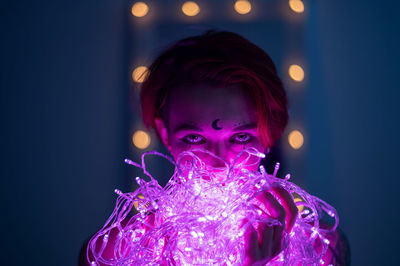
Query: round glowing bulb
{"x": 297, "y": 6}
{"x": 296, "y": 73}
{"x": 139, "y": 9}
{"x": 136, "y": 202}
{"x": 190, "y": 8}
{"x": 299, "y": 207}
{"x": 296, "y": 139}
{"x": 141, "y": 139}
{"x": 140, "y": 74}
{"x": 242, "y": 6}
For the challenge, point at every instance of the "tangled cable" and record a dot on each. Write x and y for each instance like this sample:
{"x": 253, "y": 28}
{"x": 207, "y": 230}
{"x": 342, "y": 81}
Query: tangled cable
{"x": 195, "y": 219}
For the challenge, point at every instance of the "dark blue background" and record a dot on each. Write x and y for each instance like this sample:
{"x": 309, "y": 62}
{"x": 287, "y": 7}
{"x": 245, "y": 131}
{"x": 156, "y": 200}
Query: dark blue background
{"x": 66, "y": 119}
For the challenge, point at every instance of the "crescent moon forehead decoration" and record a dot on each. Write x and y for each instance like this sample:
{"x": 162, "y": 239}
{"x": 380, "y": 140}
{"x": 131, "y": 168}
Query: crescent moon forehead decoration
{"x": 214, "y": 124}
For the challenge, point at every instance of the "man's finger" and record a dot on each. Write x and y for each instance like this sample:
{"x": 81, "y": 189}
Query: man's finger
{"x": 149, "y": 222}
{"x": 277, "y": 239}
{"x": 290, "y": 207}
{"x": 272, "y": 206}
{"x": 251, "y": 241}
{"x": 266, "y": 233}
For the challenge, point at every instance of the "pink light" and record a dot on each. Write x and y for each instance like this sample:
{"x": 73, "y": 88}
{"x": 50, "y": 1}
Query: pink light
{"x": 195, "y": 220}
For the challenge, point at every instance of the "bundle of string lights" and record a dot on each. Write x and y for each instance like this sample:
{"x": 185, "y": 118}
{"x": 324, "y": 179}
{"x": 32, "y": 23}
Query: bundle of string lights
{"x": 197, "y": 218}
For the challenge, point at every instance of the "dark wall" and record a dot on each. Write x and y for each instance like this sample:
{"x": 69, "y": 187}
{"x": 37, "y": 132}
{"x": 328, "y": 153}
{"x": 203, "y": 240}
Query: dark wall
{"x": 353, "y": 119}
{"x": 62, "y": 107}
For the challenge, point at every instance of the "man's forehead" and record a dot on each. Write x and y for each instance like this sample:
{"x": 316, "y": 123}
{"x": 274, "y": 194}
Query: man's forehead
{"x": 216, "y": 124}
{"x": 202, "y": 105}
{"x": 210, "y": 106}
{"x": 203, "y": 92}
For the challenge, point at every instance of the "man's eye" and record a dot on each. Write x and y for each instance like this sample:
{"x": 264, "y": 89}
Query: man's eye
{"x": 194, "y": 139}
{"x": 241, "y": 138}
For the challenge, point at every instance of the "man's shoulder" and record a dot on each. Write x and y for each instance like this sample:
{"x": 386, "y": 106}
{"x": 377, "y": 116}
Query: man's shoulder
{"x": 339, "y": 247}
{"x": 86, "y": 255}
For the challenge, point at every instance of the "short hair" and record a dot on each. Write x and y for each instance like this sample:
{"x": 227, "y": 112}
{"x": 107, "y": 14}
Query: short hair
{"x": 220, "y": 58}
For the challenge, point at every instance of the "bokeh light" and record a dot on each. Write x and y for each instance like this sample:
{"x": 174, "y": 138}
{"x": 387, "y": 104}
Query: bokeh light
{"x": 296, "y": 72}
{"x": 139, "y": 74}
{"x": 242, "y": 6}
{"x": 299, "y": 207}
{"x": 141, "y": 139}
{"x": 139, "y": 9}
{"x": 190, "y": 8}
{"x": 297, "y": 6}
{"x": 296, "y": 139}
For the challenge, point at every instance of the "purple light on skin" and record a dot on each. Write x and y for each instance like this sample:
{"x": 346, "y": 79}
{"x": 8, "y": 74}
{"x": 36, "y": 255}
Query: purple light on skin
{"x": 195, "y": 220}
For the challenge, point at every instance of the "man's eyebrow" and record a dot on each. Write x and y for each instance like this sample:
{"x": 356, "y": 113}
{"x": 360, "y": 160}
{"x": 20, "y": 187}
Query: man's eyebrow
{"x": 246, "y": 126}
{"x": 186, "y": 126}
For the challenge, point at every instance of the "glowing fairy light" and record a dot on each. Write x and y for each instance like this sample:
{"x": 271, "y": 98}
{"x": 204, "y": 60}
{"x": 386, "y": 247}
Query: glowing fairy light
{"x": 190, "y": 8}
{"x": 296, "y": 139}
{"x": 140, "y": 9}
{"x": 141, "y": 139}
{"x": 296, "y": 72}
{"x": 300, "y": 207}
{"x": 242, "y": 6}
{"x": 139, "y": 74}
{"x": 297, "y": 6}
{"x": 177, "y": 225}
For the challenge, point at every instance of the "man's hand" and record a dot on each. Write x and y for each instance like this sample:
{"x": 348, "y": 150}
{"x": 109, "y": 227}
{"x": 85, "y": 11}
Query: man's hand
{"x": 265, "y": 242}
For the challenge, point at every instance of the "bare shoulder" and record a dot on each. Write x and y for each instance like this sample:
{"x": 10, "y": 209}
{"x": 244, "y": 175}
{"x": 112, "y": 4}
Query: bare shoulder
{"x": 339, "y": 249}
{"x": 86, "y": 255}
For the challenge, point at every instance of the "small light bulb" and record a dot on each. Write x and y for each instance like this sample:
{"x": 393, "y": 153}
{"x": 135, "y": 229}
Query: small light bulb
{"x": 296, "y": 139}
{"x": 140, "y": 74}
{"x": 299, "y": 207}
{"x": 296, "y": 72}
{"x": 297, "y": 6}
{"x": 141, "y": 139}
{"x": 139, "y": 9}
{"x": 190, "y": 8}
{"x": 242, "y": 6}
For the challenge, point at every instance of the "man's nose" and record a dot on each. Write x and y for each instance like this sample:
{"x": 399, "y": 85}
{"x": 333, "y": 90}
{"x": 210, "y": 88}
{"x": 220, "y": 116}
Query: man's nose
{"x": 219, "y": 150}
{"x": 216, "y": 148}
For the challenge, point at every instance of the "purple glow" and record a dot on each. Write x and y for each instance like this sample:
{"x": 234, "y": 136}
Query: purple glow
{"x": 197, "y": 217}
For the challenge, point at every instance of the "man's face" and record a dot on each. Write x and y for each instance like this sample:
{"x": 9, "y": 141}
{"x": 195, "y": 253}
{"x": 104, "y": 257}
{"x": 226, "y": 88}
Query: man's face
{"x": 220, "y": 120}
